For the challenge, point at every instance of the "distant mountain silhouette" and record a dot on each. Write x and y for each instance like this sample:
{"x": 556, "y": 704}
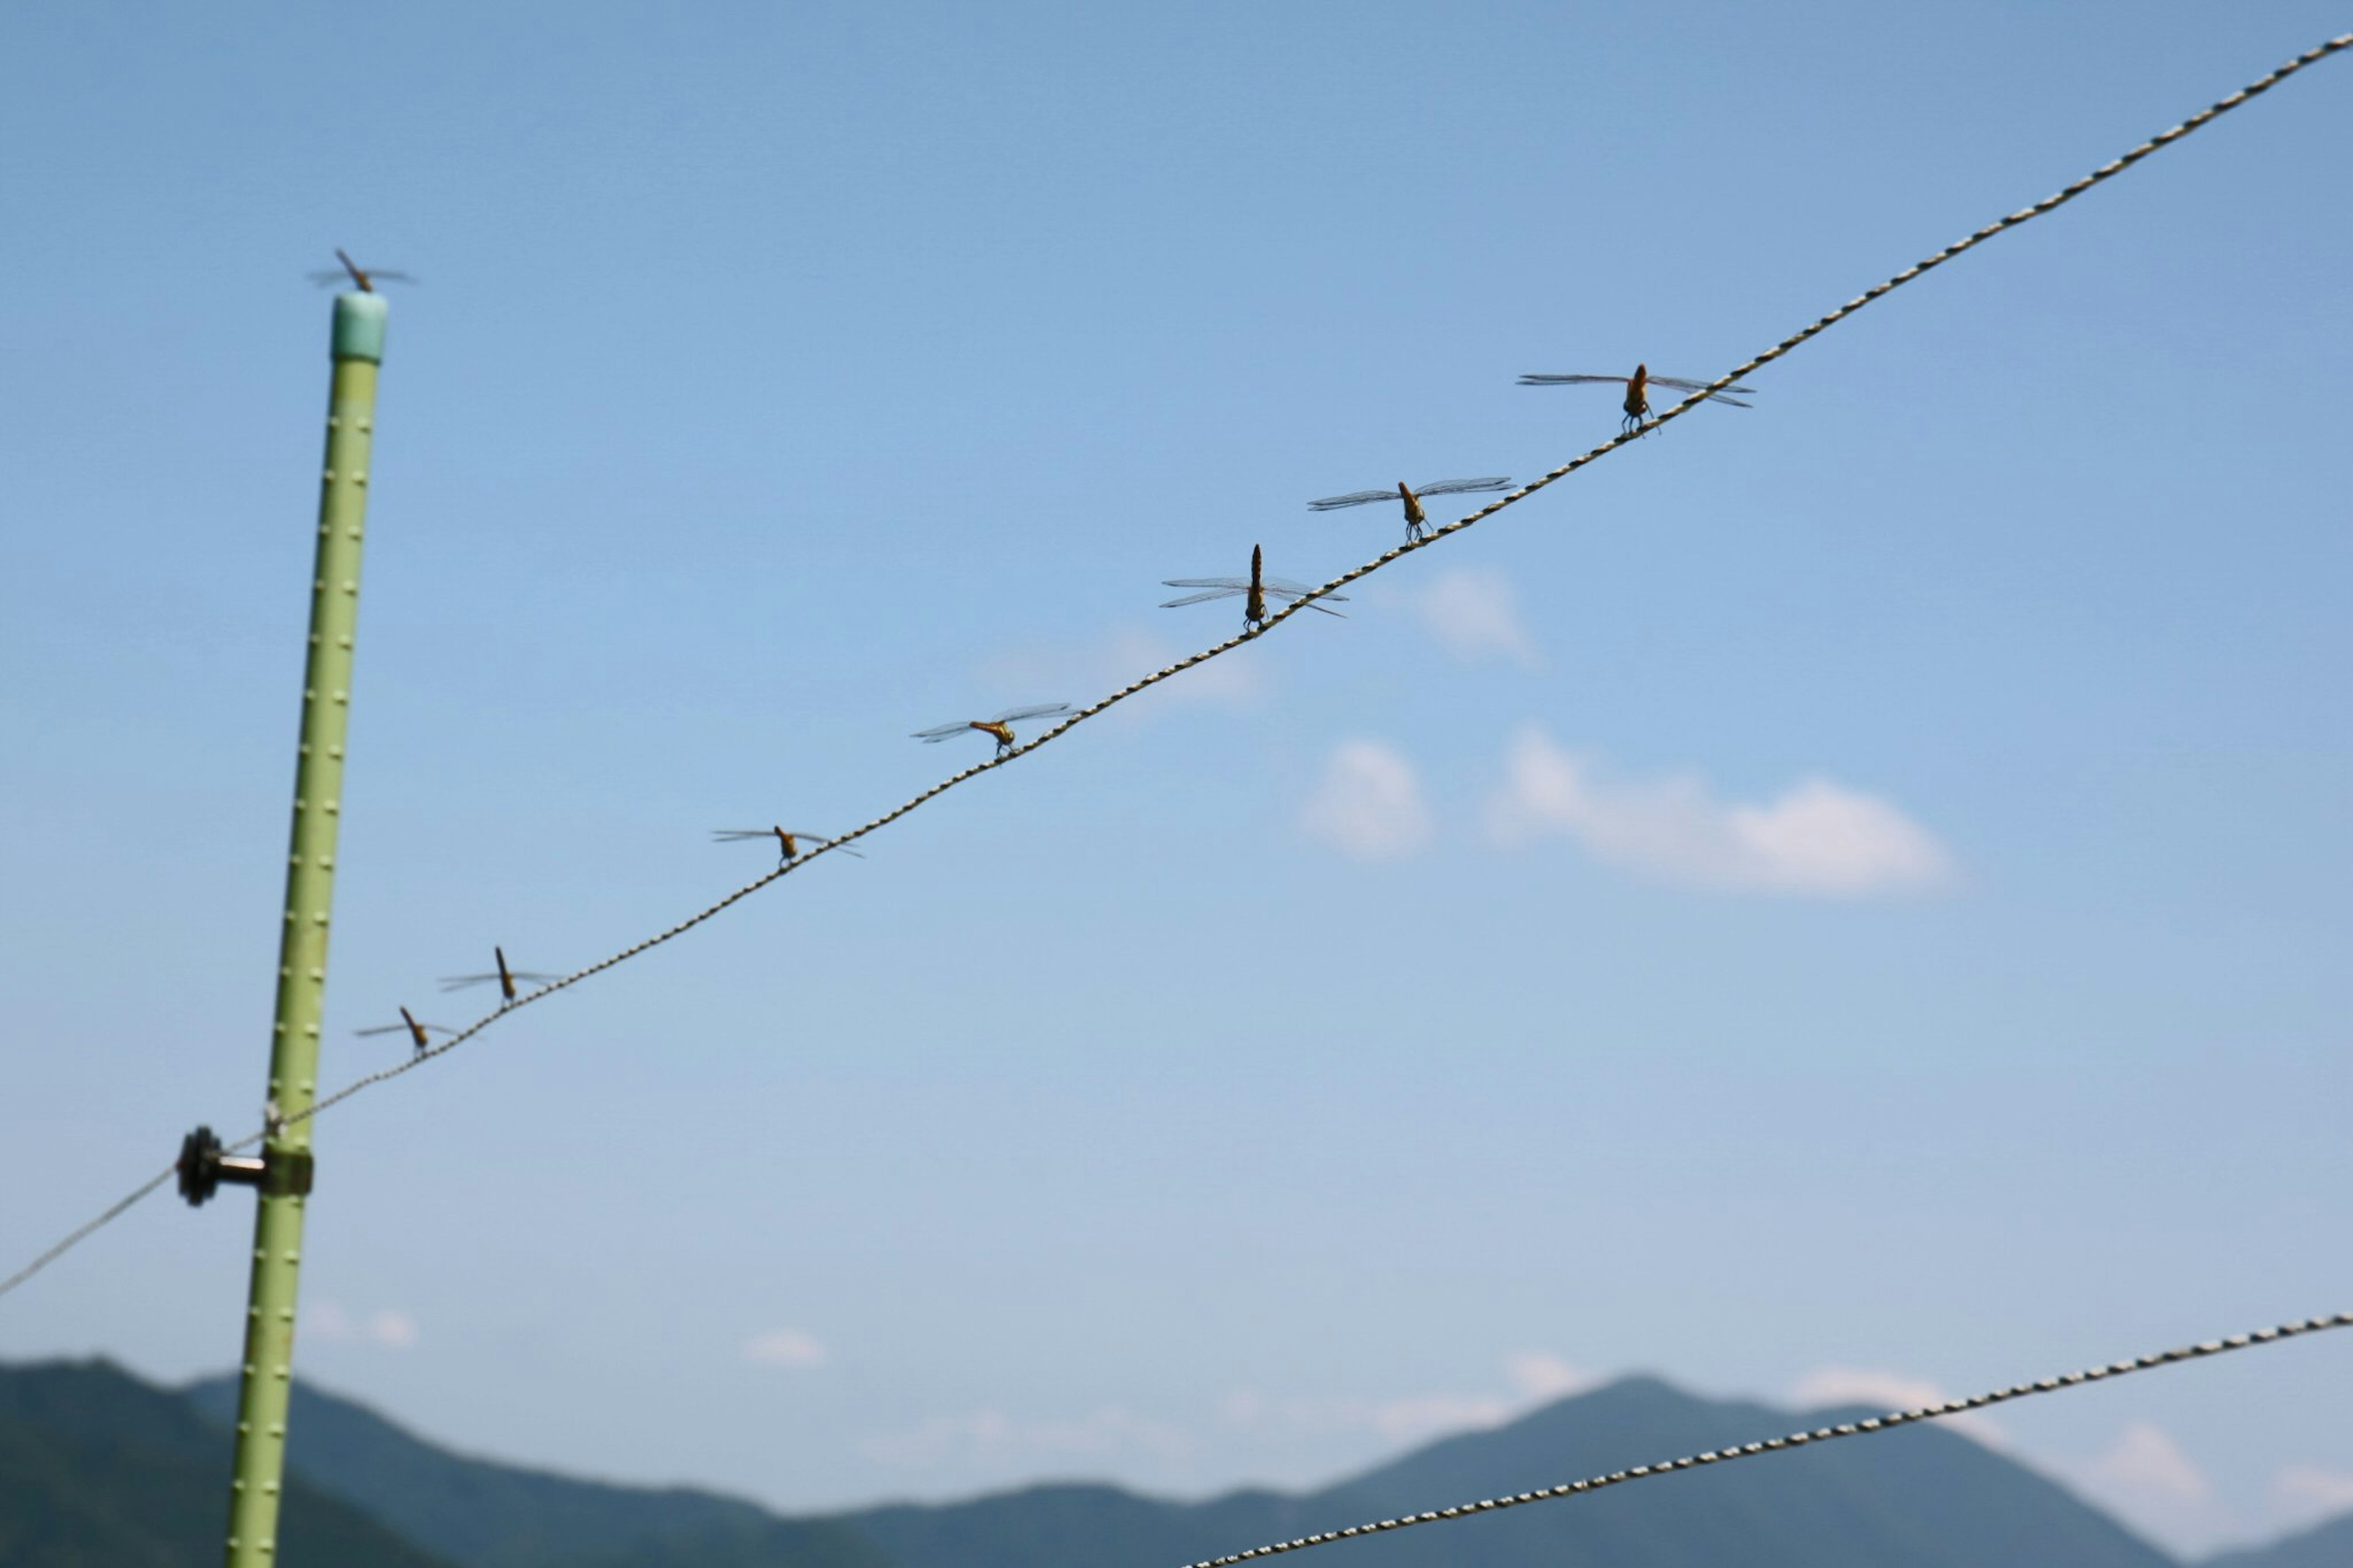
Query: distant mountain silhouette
{"x": 99, "y": 1467}
{"x": 1912, "y": 1499}
{"x": 481, "y": 1514}
{"x": 99, "y": 1470}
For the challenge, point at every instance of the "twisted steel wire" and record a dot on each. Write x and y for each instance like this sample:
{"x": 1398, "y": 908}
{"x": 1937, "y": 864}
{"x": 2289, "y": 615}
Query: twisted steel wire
{"x": 1887, "y": 1422}
{"x": 2105, "y": 172}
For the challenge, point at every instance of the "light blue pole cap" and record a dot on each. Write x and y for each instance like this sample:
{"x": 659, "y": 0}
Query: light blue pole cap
{"x": 359, "y": 326}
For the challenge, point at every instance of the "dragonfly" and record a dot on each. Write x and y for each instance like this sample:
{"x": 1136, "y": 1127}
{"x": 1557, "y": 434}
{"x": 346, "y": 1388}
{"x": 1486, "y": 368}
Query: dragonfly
{"x": 505, "y": 977}
{"x": 1254, "y": 589}
{"x": 365, "y": 278}
{"x": 415, "y": 1031}
{"x": 1638, "y": 386}
{"x": 788, "y": 843}
{"x": 1001, "y": 727}
{"x": 1415, "y": 520}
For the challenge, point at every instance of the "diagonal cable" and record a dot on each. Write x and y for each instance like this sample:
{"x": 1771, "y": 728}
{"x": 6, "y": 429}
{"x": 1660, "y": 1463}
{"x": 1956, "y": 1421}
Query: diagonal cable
{"x": 2105, "y": 172}
{"x": 1887, "y": 1422}
{"x": 77, "y": 1236}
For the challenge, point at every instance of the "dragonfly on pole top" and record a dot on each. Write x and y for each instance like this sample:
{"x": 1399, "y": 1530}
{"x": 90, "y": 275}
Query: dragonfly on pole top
{"x": 788, "y": 843}
{"x": 1638, "y": 386}
{"x": 367, "y": 277}
{"x": 412, "y": 1028}
{"x": 507, "y": 978}
{"x": 1000, "y": 727}
{"x": 1415, "y": 520}
{"x": 1254, "y": 589}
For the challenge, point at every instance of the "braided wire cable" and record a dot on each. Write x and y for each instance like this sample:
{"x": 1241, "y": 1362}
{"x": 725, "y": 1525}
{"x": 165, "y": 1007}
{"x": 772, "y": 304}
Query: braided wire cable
{"x": 1887, "y": 1422}
{"x": 2105, "y": 172}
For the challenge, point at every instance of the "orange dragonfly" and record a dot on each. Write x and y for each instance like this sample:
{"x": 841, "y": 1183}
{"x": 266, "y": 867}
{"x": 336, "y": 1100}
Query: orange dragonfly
{"x": 1638, "y": 386}
{"x": 1001, "y": 727}
{"x": 1254, "y": 589}
{"x": 1415, "y": 520}
{"x": 790, "y": 844}
{"x": 415, "y": 1030}
{"x": 367, "y": 279}
{"x": 505, "y": 977}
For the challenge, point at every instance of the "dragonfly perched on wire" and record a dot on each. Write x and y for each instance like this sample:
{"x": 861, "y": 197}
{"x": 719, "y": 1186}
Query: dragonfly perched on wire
{"x": 1254, "y": 589}
{"x": 1001, "y": 727}
{"x": 367, "y": 279}
{"x": 1415, "y": 520}
{"x": 787, "y": 843}
{"x": 505, "y": 977}
{"x": 415, "y": 1030}
{"x": 1638, "y": 386}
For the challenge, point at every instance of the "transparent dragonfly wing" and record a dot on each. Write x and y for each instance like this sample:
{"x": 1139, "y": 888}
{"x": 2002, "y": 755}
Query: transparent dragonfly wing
{"x": 1283, "y": 588}
{"x": 403, "y": 1028}
{"x": 1353, "y": 498}
{"x": 768, "y": 836}
{"x": 1288, "y": 589}
{"x": 1225, "y": 593}
{"x": 1574, "y": 380}
{"x": 1682, "y": 386}
{"x": 820, "y": 841}
{"x": 938, "y": 733}
{"x": 1035, "y": 711}
{"x": 1461, "y": 486}
{"x": 519, "y": 976}
{"x": 328, "y": 277}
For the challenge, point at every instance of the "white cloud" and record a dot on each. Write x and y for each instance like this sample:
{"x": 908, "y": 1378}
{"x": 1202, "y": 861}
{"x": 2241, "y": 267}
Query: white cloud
{"x": 2144, "y": 1459}
{"x": 1542, "y": 1376}
{"x": 1369, "y": 805}
{"x": 1474, "y": 614}
{"x": 1427, "y": 1415}
{"x": 2310, "y": 1494}
{"x": 991, "y": 1441}
{"x": 2145, "y": 1480}
{"x": 1405, "y": 1419}
{"x": 1817, "y": 838}
{"x": 992, "y": 1437}
{"x": 785, "y": 1347}
{"x": 1538, "y": 1377}
{"x": 1885, "y": 1391}
{"x": 394, "y": 1330}
{"x": 330, "y": 1322}
{"x": 1080, "y": 672}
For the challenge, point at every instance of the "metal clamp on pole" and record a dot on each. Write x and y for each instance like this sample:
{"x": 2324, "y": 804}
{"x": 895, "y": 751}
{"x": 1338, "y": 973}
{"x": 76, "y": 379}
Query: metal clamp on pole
{"x": 203, "y": 1167}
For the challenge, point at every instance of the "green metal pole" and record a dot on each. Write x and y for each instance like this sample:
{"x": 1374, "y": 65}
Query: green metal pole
{"x": 268, "y": 1366}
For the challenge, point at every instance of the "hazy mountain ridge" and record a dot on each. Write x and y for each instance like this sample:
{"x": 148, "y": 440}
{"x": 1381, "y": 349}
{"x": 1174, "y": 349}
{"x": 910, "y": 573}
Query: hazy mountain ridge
{"x": 1917, "y": 1499}
{"x": 99, "y": 1470}
{"x": 98, "y": 1467}
{"x": 483, "y": 1514}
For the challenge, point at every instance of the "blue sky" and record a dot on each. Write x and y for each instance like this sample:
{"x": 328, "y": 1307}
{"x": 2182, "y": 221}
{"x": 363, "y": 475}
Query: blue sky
{"x": 1839, "y": 897}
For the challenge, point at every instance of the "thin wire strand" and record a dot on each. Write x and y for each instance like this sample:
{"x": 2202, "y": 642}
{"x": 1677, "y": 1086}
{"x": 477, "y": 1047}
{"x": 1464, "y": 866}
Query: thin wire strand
{"x": 1887, "y": 1422}
{"x": 75, "y": 1238}
{"x": 2105, "y": 172}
